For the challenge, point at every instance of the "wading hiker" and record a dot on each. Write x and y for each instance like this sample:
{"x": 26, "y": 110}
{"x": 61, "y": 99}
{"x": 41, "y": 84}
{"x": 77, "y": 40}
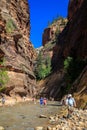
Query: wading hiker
{"x": 34, "y": 100}
{"x": 41, "y": 101}
{"x": 70, "y": 102}
{"x": 45, "y": 101}
{"x": 3, "y": 100}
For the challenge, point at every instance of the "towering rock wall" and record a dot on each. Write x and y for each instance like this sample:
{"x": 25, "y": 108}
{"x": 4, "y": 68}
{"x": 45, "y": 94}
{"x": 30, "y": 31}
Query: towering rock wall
{"x": 73, "y": 7}
{"x": 16, "y": 48}
{"x": 72, "y": 41}
{"x": 79, "y": 89}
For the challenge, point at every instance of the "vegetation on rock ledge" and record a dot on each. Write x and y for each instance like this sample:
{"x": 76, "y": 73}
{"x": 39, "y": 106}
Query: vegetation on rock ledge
{"x": 10, "y": 26}
{"x": 43, "y": 67}
{"x": 3, "y": 75}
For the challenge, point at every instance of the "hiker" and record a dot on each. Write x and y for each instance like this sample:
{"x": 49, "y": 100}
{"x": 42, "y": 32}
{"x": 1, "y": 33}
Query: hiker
{"x": 41, "y": 101}
{"x": 70, "y": 102}
{"x": 3, "y": 100}
{"x": 34, "y": 100}
{"x": 24, "y": 98}
{"x": 45, "y": 101}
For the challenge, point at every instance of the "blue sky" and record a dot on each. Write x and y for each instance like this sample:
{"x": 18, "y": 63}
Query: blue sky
{"x": 42, "y": 11}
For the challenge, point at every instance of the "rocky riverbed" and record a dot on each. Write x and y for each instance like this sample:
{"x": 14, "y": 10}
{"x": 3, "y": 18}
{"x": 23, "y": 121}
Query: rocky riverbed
{"x": 26, "y": 116}
{"x": 31, "y": 116}
{"x": 77, "y": 121}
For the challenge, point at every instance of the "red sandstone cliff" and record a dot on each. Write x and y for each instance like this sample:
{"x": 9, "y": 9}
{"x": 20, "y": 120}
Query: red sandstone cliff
{"x": 73, "y": 7}
{"x": 73, "y": 42}
{"x": 16, "y": 48}
{"x": 74, "y": 37}
{"x": 49, "y": 33}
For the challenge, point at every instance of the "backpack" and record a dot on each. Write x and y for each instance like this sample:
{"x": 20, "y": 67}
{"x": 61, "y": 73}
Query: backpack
{"x": 71, "y": 101}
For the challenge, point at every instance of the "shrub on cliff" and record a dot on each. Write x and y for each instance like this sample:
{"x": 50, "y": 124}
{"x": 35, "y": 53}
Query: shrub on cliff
{"x": 10, "y": 26}
{"x": 3, "y": 75}
{"x": 54, "y": 20}
{"x": 56, "y": 35}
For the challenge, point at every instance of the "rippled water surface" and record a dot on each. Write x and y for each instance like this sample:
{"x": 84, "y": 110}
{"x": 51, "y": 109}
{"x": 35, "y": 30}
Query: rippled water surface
{"x": 25, "y": 116}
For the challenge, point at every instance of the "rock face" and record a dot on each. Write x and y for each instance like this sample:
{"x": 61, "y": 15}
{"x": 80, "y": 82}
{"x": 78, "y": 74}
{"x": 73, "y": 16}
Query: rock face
{"x": 72, "y": 42}
{"x": 74, "y": 6}
{"x": 79, "y": 89}
{"x": 56, "y": 27}
{"x": 16, "y": 48}
{"x": 50, "y": 35}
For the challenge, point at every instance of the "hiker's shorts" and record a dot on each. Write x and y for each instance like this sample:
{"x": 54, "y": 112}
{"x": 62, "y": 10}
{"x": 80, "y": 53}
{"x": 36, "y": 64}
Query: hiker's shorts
{"x": 71, "y": 108}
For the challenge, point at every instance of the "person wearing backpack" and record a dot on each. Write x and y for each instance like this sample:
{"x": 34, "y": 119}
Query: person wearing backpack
{"x": 71, "y": 103}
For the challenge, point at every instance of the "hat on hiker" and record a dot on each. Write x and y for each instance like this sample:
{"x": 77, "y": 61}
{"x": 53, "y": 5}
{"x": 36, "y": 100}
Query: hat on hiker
{"x": 70, "y": 95}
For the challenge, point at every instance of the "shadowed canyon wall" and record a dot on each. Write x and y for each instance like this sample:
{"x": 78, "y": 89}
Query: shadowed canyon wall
{"x": 16, "y": 48}
{"x": 77, "y": 29}
{"x": 73, "y": 42}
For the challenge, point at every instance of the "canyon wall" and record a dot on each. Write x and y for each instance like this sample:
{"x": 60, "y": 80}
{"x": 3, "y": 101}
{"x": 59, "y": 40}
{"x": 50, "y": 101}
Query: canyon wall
{"x": 16, "y": 48}
{"x": 73, "y": 42}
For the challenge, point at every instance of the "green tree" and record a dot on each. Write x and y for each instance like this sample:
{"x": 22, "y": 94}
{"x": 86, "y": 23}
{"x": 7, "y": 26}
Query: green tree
{"x": 48, "y": 65}
{"x": 67, "y": 62}
{"x": 57, "y": 34}
{"x": 43, "y": 67}
{"x": 73, "y": 68}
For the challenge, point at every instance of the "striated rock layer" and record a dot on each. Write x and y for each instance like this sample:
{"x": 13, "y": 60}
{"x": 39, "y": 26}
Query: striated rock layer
{"x": 16, "y": 48}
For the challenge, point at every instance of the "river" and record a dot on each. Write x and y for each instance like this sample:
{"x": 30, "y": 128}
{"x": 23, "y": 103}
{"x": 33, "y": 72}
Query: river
{"x": 25, "y": 116}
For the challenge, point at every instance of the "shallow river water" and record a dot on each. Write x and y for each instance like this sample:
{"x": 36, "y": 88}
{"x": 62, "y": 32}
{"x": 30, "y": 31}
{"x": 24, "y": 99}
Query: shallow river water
{"x": 25, "y": 116}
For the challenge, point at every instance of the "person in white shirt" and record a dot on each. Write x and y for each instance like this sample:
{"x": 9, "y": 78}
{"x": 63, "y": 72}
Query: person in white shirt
{"x": 70, "y": 102}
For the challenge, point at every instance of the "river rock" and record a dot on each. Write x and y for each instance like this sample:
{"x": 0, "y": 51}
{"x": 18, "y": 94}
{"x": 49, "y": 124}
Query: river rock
{"x": 42, "y": 116}
{"x": 2, "y": 128}
{"x": 49, "y": 128}
{"x": 39, "y": 128}
{"x": 51, "y": 117}
{"x": 54, "y": 128}
{"x": 77, "y": 121}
